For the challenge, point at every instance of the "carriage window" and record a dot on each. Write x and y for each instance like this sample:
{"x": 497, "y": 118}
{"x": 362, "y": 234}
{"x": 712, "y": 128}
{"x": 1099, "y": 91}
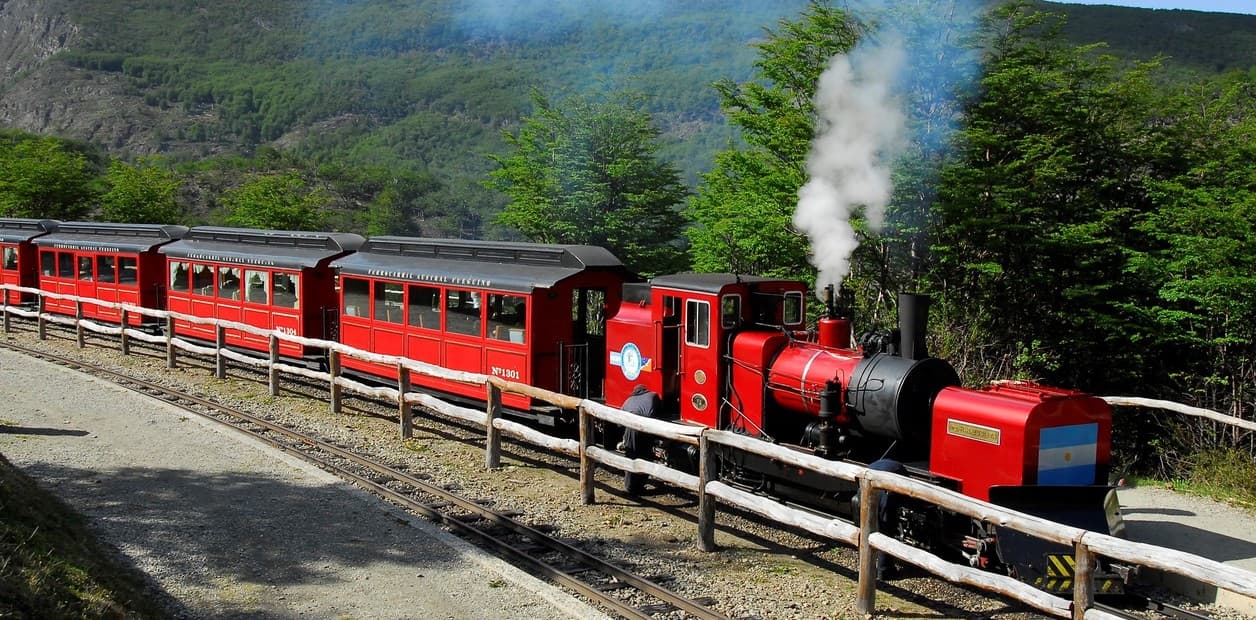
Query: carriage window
{"x": 424, "y": 307}
{"x": 65, "y": 265}
{"x": 730, "y": 311}
{"x": 255, "y": 287}
{"x": 464, "y": 312}
{"x": 388, "y": 302}
{"x": 105, "y": 271}
{"x": 179, "y": 280}
{"x": 47, "y": 263}
{"x": 229, "y": 282}
{"x": 128, "y": 270}
{"x": 357, "y": 297}
{"x": 203, "y": 280}
{"x": 85, "y": 268}
{"x": 697, "y": 323}
{"x": 286, "y": 288}
{"x": 506, "y": 317}
{"x": 10, "y": 258}
{"x": 793, "y": 308}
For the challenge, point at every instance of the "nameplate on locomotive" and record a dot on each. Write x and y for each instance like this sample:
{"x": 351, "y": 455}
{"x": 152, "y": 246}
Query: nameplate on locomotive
{"x": 968, "y": 430}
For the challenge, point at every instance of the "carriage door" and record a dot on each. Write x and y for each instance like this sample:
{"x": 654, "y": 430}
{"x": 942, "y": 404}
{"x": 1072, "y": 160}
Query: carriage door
{"x": 699, "y": 365}
{"x": 586, "y": 370}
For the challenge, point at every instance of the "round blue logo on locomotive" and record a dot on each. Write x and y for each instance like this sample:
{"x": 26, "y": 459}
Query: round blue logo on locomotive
{"x": 630, "y": 361}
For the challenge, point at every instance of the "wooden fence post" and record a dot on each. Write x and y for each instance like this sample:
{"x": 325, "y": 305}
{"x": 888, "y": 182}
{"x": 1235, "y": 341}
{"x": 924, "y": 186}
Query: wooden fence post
{"x": 220, "y": 343}
{"x": 1083, "y": 580}
{"x": 587, "y": 467}
{"x": 272, "y": 375}
{"x": 78, "y": 323}
{"x": 333, "y": 368}
{"x": 405, "y": 411}
{"x": 126, "y": 339}
{"x": 707, "y": 467}
{"x": 170, "y": 354}
{"x": 43, "y": 323}
{"x": 8, "y": 323}
{"x": 869, "y": 506}
{"x": 493, "y": 447}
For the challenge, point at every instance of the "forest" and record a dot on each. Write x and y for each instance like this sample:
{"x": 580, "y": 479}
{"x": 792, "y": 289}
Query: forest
{"x": 1081, "y": 213}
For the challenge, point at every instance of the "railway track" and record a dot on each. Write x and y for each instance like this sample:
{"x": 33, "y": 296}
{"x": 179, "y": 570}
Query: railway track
{"x": 606, "y": 585}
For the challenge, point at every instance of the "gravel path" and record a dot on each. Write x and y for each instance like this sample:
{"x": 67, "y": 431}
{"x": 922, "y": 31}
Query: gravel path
{"x": 231, "y": 529}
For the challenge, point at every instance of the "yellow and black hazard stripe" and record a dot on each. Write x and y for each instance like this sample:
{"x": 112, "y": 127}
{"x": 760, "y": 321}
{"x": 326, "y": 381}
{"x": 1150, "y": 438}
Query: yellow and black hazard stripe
{"x": 1061, "y": 569}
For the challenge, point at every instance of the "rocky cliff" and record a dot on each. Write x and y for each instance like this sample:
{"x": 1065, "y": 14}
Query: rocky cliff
{"x": 41, "y": 94}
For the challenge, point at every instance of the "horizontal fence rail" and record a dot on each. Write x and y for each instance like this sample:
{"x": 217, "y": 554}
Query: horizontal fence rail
{"x": 862, "y": 534}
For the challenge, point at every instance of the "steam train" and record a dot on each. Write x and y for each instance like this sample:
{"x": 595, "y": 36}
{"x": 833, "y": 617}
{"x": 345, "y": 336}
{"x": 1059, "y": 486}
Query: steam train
{"x": 724, "y": 351}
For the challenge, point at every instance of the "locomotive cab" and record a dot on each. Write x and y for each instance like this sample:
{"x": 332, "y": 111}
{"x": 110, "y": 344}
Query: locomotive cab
{"x": 676, "y": 336}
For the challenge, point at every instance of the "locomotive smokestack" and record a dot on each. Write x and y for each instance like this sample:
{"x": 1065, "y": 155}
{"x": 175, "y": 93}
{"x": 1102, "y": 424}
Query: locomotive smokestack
{"x": 913, "y": 321}
{"x": 834, "y": 327}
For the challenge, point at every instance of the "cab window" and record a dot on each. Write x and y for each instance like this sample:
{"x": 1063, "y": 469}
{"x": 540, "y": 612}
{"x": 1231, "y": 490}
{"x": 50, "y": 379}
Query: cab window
{"x": 697, "y": 323}
{"x": 730, "y": 311}
{"x": 793, "y": 308}
{"x": 10, "y": 257}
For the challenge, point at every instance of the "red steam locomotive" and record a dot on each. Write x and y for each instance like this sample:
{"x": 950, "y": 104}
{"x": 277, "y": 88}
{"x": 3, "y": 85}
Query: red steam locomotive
{"x": 719, "y": 350}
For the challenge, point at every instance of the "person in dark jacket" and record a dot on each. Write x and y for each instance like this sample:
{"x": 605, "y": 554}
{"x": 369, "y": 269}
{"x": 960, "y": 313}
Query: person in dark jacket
{"x": 645, "y": 403}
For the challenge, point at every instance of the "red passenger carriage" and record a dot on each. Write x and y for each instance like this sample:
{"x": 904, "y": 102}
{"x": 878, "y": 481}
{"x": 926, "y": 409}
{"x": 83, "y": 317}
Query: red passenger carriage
{"x": 280, "y": 280}
{"x": 117, "y": 263}
{"x": 525, "y": 312}
{"x": 19, "y": 259}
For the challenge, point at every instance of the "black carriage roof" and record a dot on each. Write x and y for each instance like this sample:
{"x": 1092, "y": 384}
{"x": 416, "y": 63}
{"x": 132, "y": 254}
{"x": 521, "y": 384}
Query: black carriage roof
{"x": 19, "y": 229}
{"x": 708, "y": 282}
{"x": 110, "y": 237}
{"x": 290, "y": 249}
{"x": 502, "y": 265}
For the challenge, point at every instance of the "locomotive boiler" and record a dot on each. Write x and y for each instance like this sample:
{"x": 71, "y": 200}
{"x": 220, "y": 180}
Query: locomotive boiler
{"x": 733, "y": 352}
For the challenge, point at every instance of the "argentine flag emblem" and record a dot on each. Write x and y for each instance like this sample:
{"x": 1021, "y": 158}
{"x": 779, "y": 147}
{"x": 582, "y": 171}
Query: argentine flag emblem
{"x": 1067, "y": 454}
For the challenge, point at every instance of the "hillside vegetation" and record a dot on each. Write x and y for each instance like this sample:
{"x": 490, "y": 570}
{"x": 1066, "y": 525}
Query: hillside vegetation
{"x": 424, "y": 89}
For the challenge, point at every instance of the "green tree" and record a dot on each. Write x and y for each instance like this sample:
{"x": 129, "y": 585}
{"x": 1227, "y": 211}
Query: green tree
{"x": 586, "y": 172}
{"x": 1037, "y": 212}
{"x": 744, "y": 207}
{"x": 140, "y": 194}
{"x": 280, "y": 200}
{"x": 45, "y": 177}
{"x": 1201, "y": 250}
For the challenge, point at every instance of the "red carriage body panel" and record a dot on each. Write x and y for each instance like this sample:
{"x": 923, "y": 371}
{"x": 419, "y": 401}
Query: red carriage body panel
{"x": 117, "y": 263}
{"x": 270, "y": 279}
{"x": 525, "y": 312}
{"x": 19, "y": 258}
{"x": 1020, "y": 433}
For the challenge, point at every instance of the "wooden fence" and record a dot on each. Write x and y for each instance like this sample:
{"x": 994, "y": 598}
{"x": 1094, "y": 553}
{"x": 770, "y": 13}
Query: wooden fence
{"x": 711, "y": 491}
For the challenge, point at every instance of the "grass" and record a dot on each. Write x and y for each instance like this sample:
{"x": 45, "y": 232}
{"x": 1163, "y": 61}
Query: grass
{"x": 52, "y": 566}
{"x": 1225, "y": 475}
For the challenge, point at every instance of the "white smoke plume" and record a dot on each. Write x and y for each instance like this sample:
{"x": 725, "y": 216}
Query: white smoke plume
{"x": 859, "y": 130}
